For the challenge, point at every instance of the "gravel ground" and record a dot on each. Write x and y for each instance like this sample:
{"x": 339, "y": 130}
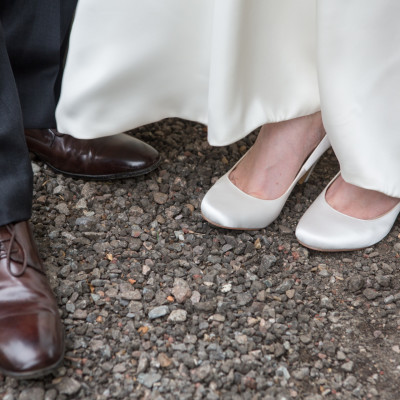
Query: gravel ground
{"x": 157, "y": 304}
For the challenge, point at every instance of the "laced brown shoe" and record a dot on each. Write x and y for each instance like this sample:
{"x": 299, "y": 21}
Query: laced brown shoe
{"x": 112, "y": 157}
{"x": 31, "y": 333}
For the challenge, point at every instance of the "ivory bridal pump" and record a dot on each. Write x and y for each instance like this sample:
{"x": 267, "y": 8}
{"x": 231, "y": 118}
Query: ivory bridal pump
{"x": 226, "y": 206}
{"x": 326, "y": 229}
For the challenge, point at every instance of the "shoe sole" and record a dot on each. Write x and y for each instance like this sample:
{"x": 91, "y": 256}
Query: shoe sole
{"x": 232, "y": 229}
{"x": 330, "y": 251}
{"x": 34, "y": 374}
{"x": 122, "y": 175}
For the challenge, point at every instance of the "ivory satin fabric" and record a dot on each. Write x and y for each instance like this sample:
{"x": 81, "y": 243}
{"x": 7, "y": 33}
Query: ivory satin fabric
{"x": 237, "y": 64}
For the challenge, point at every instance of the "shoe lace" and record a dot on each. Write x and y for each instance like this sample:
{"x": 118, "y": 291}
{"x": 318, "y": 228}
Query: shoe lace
{"x": 7, "y": 252}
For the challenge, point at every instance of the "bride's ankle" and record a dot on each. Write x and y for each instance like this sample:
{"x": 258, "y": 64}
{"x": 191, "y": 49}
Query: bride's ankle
{"x": 275, "y": 159}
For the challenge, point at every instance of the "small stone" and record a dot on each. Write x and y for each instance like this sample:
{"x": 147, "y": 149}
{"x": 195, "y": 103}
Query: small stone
{"x": 348, "y": 367}
{"x": 81, "y": 204}
{"x": 201, "y": 373}
{"x": 190, "y": 207}
{"x": 145, "y": 269}
{"x": 261, "y": 296}
{"x": 241, "y": 339}
{"x": 252, "y": 321}
{"x": 279, "y": 350}
{"x": 195, "y": 297}
{"x": 285, "y": 229}
{"x": 68, "y": 386}
{"x": 285, "y": 286}
{"x": 268, "y": 261}
{"x": 397, "y": 247}
{"x": 205, "y": 306}
{"x": 334, "y": 316}
{"x": 158, "y": 312}
{"x": 226, "y": 247}
{"x": 70, "y": 307}
{"x": 129, "y": 293}
{"x": 160, "y": 198}
{"x": 88, "y": 190}
{"x": 86, "y": 222}
{"x": 51, "y": 394}
{"x": 95, "y": 297}
{"x": 35, "y": 168}
{"x": 388, "y": 299}
{"x": 217, "y": 317}
{"x": 227, "y": 287}
{"x": 143, "y": 363}
{"x": 80, "y": 314}
{"x": 62, "y": 208}
{"x": 34, "y": 393}
{"x": 305, "y": 339}
{"x": 384, "y": 280}
{"x": 181, "y": 290}
{"x": 149, "y": 379}
{"x": 244, "y": 299}
{"x": 355, "y": 283}
{"x": 164, "y": 360}
{"x": 290, "y": 293}
{"x": 178, "y": 316}
{"x": 282, "y": 371}
{"x": 370, "y": 294}
{"x": 119, "y": 368}
{"x": 96, "y": 345}
{"x": 301, "y": 373}
{"x": 350, "y": 382}
{"x": 340, "y": 355}
{"x": 326, "y": 302}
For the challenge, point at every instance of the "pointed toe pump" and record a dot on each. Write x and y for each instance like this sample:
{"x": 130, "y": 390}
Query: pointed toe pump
{"x": 325, "y": 229}
{"x": 226, "y": 206}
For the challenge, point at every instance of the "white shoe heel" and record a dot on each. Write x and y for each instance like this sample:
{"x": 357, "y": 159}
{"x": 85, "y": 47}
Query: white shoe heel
{"x": 226, "y": 206}
{"x": 325, "y": 229}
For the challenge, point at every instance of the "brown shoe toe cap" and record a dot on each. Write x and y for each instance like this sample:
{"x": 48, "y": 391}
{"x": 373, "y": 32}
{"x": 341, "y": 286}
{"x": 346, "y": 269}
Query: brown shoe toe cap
{"x": 30, "y": 344}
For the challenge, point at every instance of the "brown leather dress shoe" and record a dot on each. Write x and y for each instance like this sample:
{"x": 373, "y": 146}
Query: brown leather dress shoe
{"x": 112, "y": 157}
{"x": 31, "y": 333}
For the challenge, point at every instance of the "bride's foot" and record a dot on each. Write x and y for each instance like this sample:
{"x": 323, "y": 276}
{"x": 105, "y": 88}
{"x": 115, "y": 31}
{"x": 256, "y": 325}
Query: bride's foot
{"x": 347, "y": 217}
{"x": 358, "y": 202}
{"x": 277, "y": 156}
{"x": 252, "y": 194}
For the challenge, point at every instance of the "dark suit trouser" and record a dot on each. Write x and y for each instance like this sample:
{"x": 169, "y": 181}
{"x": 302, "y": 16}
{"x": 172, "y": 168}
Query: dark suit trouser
{"x": 32, "y": 39}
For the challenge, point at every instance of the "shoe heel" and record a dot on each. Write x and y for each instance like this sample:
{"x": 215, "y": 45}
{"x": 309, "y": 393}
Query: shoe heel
{"x": 307, "y": 175}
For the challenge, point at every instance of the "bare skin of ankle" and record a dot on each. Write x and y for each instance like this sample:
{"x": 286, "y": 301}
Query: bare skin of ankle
{"x": 270, "y": 166}
{"x": 358, "y": 202}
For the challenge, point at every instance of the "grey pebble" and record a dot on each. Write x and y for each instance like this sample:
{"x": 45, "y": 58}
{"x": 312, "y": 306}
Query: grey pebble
{"x": 348, "y": 366}
{"x": 158, "y": 312}
{"x": 371, "y": 294}
{"x": 68, "y": 386}
{"x": 34, "y": 393}
{"x": 301, "y": 373}
{"x": 62, "y": 208}
{"x": 268, "y": 261}
{"x": 143, "y": 363}
{"x": 205, "y": 306}
{"x": 148, "y": 379}
{"x": 178, "y": 316}
{"x": 350, "y": 382}
{"x": 181, "y": 290}
{"x": 51, "y": 394}
{"x": 356, "y": 283}
{"x": 284, "y": 286}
